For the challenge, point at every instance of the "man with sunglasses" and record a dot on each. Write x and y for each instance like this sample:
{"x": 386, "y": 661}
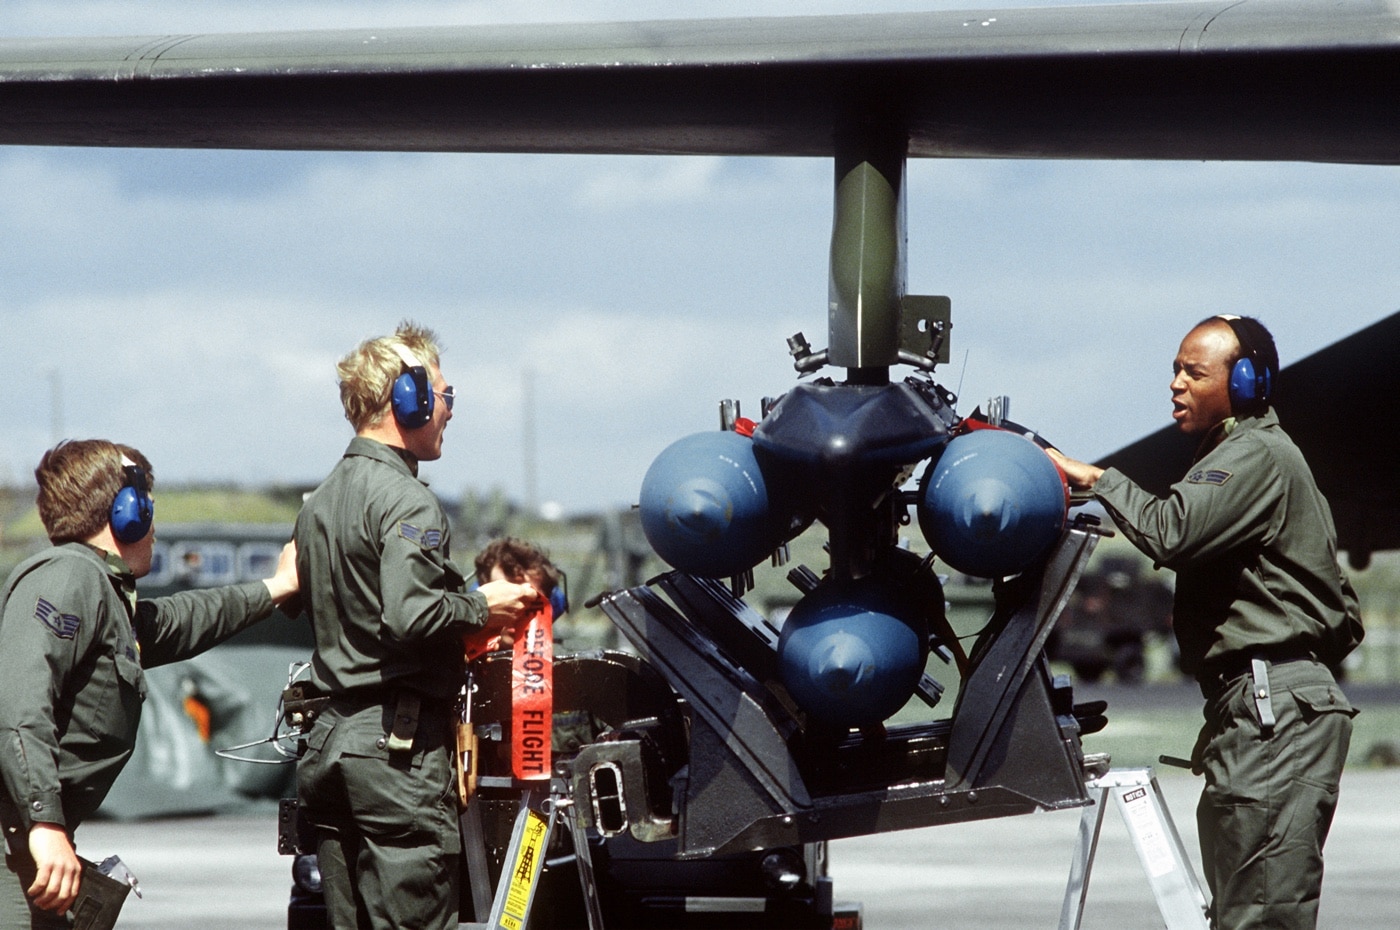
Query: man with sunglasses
{"x": 74, "y": 643}
{"x": 390, "y": 611}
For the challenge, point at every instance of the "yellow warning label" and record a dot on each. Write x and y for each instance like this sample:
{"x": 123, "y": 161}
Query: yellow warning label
{"x": 526, "y": 869}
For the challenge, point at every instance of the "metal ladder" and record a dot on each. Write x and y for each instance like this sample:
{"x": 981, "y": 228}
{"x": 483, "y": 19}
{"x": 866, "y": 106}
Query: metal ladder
{"x": 524, "y": 860}
{"x": 1159, "y": 849}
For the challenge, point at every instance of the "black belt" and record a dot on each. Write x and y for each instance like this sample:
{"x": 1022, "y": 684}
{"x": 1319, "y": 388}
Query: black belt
{"x": 372, "y": 695}
{"x": 1221, "y": 675}
{"x": 408, "y": 707}
{"x": 367, "y": 696}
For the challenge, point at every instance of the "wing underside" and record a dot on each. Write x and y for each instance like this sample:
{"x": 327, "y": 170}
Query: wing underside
{"x": 1252, "y": 80}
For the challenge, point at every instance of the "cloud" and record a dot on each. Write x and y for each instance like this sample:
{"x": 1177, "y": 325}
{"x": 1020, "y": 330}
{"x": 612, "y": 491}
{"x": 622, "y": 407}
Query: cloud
{"x": 1071, "y": 284}
{"x": 195, "y": 302}
{"x": 659, "y": 184}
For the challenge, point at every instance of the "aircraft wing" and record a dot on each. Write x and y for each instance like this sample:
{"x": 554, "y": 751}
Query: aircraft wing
{"x": 1339, "y": 405}
{"x": 1269, "y": 80}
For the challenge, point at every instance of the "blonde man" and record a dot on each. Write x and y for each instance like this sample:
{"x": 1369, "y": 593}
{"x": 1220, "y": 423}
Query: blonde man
{"x": 390, "y": 611}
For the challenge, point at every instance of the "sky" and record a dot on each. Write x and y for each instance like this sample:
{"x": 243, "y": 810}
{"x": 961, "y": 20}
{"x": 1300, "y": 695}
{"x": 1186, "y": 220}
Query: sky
{"x": 194, "y": 303}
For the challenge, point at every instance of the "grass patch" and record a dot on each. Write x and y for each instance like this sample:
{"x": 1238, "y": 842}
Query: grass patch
{"x": 1136, "y": 737}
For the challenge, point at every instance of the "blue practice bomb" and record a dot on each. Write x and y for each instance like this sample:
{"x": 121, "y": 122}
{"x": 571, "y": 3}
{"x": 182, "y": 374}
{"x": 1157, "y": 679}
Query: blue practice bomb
{"x": 992, "y": 503}
{"x": 705, "y": 507}
{"x": 851, "y": 652}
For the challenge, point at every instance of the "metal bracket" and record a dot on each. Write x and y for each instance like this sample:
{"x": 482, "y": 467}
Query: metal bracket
{"x": 924, "y": 328}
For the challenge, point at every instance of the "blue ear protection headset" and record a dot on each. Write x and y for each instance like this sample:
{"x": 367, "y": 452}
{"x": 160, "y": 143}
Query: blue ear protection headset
{"x": 1251, "y": 380}
{"x": 133, "y": 509}
{"x": 559, "y": 598}
{"x": 412, "y": 395}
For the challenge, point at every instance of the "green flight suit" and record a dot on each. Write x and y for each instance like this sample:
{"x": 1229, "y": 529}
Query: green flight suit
{"x": 73, "y": 642}
{"x": 1255, "y": 553}
{"x": 389, "y": 610}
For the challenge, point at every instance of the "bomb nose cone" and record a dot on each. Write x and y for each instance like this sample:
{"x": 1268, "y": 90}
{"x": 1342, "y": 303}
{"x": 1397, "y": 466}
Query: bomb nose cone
{"x": 988, "y": 511}
{"x": 705, "y": 506}
{"x": 851, "y": 652}
{"x": 841, "y": 664}
{"x": 991, "y": 503}
{"x": 701, "y": 508}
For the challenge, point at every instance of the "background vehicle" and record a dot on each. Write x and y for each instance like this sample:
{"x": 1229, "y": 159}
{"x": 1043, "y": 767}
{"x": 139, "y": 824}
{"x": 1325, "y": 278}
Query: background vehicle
{"x": 1115, "y": 611}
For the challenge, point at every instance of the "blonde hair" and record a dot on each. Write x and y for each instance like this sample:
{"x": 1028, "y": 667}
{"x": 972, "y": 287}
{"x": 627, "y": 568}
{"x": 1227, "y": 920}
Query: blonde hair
{"x": 367, "y": 374}
{"x": 78, "y": 480}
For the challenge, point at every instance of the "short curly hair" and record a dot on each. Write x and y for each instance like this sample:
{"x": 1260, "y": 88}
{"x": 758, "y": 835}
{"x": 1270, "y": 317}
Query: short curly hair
{"x": 367, "y": 374}
{"x": 78, "y": 480}
{"x": 519, "y": 561}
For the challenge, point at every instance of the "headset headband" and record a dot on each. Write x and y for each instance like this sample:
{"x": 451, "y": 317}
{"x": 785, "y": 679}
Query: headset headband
{"x": 1240, "y": 327}
{"x": 135, "y": 475}
{"x": 409, "y": 359}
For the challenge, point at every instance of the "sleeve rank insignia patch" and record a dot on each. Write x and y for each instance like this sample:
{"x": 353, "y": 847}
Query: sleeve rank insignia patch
{"x": 1215, "y": 476}
{"x": 428, "y": 539}
{"x": 64, "y": 626}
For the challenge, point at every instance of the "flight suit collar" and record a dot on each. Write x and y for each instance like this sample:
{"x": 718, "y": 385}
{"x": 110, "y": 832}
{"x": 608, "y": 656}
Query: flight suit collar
{"x": 399, "y": 459}
{"x": 118, "y": 573}
{"x": 1227, "y": 427}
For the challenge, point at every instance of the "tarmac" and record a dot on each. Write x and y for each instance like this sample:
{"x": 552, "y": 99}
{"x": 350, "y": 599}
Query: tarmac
{"x": 1012, "y": 873}
{"x": 222, "y": 873}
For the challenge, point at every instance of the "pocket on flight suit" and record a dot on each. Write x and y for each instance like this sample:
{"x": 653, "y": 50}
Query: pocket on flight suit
{"x": 396, "y": 796}
{"x": 312, "y": 772}
{"x": 1322, "y": 735}
{"x": 111, "y": 713}
{"x": 1229, "y": 742}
